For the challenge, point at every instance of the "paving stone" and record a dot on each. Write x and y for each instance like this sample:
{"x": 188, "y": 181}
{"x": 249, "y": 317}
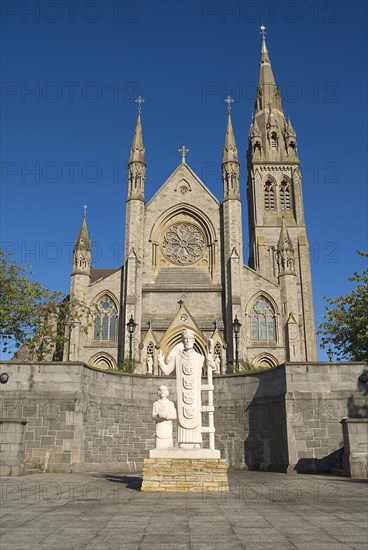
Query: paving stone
{"x": 144, "y": 521}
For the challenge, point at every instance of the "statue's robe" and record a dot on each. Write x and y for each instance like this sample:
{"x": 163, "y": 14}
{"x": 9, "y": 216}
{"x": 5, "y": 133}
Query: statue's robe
{"x": 164, "y": 439}
{"x": 188, "y": 365}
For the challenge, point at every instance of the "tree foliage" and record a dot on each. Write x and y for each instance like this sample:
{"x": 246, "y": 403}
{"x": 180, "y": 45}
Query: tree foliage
{"x": 127, "y": 366}
{"x": 346, "y": 320}
{"x": 246, "y": 366}
{"x": 34, "y": 316}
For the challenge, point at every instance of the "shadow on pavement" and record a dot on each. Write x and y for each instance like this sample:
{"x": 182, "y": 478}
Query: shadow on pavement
{"x": 130, "y": 481}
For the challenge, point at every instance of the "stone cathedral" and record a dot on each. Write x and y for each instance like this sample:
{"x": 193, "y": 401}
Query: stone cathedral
{"x": 184, "y": 263}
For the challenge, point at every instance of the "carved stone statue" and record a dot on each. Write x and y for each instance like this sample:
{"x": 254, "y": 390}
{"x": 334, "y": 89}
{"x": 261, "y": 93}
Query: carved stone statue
{"x": 149, "y": 365}
{"x": 164, "y": 413}
{"x": 218, "y": 364}
{"x": 188, "y": 364}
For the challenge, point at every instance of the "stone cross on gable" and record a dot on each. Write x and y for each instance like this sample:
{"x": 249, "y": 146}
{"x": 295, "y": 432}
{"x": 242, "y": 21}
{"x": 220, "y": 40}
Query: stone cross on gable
{"x": 183, "y": 150}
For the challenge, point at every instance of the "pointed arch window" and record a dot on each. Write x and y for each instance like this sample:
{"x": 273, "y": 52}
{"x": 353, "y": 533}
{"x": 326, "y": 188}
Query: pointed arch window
{"x": 218, "y": 350}
{"x": 150, "y": 349}
{"x": 274, "y": 141}
{"x": 263, "y": 321}
{"x": 106, "y": 320}
{"x": 269, "y": 195}
{"x": 285, "y": 201}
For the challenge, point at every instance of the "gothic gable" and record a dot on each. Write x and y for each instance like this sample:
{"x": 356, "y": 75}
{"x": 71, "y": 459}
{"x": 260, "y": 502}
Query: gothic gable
{"x": 182, "y": 228}
{"x": 183, "y": 184}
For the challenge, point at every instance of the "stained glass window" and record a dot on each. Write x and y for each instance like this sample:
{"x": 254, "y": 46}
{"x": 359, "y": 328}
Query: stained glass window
{"x": 183, "y": 243}
{"x": 263, "y": 321}
{"x": 106, "y": 320}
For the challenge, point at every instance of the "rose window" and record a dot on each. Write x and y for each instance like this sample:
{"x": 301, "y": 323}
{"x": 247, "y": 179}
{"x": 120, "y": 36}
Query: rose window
{"x": 183, "y": 243}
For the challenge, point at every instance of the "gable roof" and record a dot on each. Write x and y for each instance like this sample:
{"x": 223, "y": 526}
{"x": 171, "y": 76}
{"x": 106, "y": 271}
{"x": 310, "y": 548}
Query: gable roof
{"x": 102, "y": 273}
{"x": 191, "y": 173}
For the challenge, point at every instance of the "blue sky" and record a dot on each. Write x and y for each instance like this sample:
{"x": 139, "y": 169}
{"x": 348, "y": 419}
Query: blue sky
{"x": 71, "y": 72}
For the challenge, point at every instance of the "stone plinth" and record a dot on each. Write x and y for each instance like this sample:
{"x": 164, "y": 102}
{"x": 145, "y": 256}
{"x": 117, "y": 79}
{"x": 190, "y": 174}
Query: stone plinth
{"x": 184, "y": 453}
{"x": 355, "y": 459}
{"x": 197, "y": 475}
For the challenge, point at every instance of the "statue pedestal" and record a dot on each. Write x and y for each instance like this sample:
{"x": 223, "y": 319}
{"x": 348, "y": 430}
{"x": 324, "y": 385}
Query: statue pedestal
{"x": 184, "y": 453}
{"x": 185, "y": 470}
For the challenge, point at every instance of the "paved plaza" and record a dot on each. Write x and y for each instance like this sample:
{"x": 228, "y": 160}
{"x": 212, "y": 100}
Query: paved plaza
{"x": 108, "y": 512}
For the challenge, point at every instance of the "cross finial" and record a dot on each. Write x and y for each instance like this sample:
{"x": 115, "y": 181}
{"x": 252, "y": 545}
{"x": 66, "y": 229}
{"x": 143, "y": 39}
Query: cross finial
{"x": 183, "y": 150}
{"x": 85, "y": 209}
{"x": 263, "y": 31}
{"x": 139, "y": 101}
{"x": 229, "y": 100}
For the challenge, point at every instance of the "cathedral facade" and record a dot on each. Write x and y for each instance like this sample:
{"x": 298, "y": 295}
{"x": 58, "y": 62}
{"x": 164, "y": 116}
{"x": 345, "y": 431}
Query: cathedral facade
{"x": 184, "y": 265}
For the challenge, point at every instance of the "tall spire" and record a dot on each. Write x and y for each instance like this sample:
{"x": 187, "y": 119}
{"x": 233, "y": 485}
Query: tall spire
{"x": 269, "y": 119}
{"x": 137, "y": 151}
{"x": 83, "y": 241}
{"x": 268, "y": 94}
{"x": 230, "y": 160}
{"x": 230, "y": 152}
{"x": 82, "y": 251}
{"x": 137, "y": 161}
{"x": 265, "y": 74}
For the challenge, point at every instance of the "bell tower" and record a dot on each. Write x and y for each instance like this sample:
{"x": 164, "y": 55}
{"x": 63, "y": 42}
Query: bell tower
{"x": 279, "y": 247}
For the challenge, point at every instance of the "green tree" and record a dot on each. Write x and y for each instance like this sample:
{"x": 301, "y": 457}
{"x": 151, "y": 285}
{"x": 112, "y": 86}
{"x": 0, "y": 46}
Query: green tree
{"x": 247, "y": 366}
{"x": 127, "y": 366}
{"x": 346, "y": 320}
{"x": 34, "y": 316}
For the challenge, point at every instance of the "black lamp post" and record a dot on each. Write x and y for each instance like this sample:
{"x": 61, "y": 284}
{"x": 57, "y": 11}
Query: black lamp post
{"x": 330, "y": 353}
{"x": 131, "y": 324}
{"x": 236, "y": 329}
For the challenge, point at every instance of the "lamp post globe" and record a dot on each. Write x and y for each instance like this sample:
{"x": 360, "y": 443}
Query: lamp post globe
{"x": 4, "y": 377}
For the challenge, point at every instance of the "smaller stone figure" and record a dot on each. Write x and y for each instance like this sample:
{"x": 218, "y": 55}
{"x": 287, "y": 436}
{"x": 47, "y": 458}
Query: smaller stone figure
{"x": 218, "y": 365}
{"x": 164, "y": 413}
{"x": 149, "y": 365}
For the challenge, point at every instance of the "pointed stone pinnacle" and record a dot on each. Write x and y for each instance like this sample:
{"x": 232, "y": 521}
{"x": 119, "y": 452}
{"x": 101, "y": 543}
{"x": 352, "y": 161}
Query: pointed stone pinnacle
{"x": 137, "y": 152}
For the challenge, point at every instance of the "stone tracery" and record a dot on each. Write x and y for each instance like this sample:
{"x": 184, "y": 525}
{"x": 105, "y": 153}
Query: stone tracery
{"x": 183, "y": 243}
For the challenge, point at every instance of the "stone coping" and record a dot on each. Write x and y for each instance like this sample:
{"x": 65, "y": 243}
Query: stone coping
{"x": 10, "y": 363}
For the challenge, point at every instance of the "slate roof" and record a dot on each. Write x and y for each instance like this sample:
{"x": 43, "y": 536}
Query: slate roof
{"x": 102, "y": 272}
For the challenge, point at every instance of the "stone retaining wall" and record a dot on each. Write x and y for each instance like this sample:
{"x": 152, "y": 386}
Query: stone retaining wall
{"x": 83, "y": 419}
